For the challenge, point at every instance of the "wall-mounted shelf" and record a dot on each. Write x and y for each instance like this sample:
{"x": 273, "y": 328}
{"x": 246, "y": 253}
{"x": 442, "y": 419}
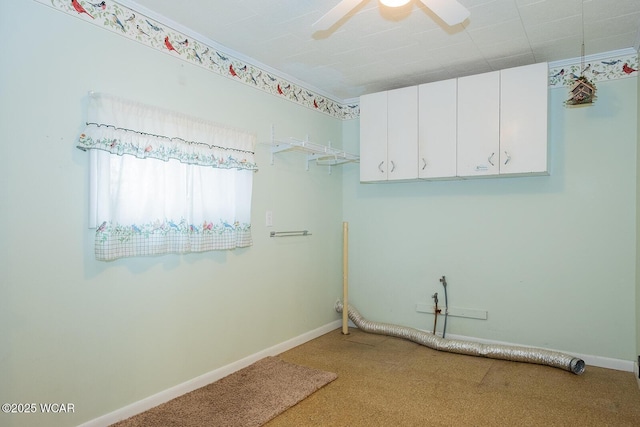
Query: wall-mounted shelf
{"x": 323, "y": 155}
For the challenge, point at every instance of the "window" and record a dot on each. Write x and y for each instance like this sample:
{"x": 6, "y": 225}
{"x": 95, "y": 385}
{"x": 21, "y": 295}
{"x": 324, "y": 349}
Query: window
{"x": 162, "y": 182}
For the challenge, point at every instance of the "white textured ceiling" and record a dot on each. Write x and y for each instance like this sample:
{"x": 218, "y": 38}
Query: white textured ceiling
{"x": 375, "y": 48}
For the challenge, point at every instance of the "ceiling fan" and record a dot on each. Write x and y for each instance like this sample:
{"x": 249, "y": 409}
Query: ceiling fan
{"x": 450, "y": 11}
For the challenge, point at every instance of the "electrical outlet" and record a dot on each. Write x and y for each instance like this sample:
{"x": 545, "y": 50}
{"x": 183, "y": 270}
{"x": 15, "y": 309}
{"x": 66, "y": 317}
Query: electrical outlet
{"x": 269, "y": 218}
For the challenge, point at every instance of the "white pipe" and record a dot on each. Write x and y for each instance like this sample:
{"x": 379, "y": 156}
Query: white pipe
{"x": 493, "y": 351}
{"x": 345, "y": 276}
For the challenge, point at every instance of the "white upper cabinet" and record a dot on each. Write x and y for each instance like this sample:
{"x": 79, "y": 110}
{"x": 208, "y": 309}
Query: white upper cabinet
{"x": 402, "y": 133}
{"x": 479, "y": 125}
{"x": 523, "y": 120}
{"x": 373, "y": 137}
{"x": 437, "y": 117}
{"x": 389, "y": 135}
{"x": 491, "y": 124}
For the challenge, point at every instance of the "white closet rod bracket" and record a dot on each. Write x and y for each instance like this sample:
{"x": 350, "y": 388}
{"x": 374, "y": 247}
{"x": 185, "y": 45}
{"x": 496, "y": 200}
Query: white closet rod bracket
{"x": 323, "y": 155}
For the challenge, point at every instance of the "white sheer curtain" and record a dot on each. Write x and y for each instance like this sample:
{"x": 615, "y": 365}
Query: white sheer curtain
{"x": 162, "y": 182}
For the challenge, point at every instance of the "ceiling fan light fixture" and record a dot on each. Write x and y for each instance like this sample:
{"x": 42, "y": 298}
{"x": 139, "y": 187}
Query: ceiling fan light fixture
{"x": 450, "y": 11}
{"x": 394, "y": 3}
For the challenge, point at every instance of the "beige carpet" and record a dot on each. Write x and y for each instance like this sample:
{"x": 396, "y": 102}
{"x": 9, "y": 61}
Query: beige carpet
{"x": 387, "y": 381}
{"x": 249, "y": 397}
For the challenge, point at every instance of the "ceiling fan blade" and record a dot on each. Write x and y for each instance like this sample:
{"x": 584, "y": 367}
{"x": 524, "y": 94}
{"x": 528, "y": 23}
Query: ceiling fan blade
{"x": 450, "y": 11}
{"x": 335, "y": 14}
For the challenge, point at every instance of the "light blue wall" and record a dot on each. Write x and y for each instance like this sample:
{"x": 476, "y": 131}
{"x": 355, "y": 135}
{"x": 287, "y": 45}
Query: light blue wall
{"x": 638, "y": 236}
{"x": 105, "y": 335}
{"x": 552, "y": 259}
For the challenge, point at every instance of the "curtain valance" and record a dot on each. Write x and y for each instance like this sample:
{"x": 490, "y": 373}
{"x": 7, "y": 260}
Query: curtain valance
{"x": 198, "y": 198}
{"x": 120, "y": 127}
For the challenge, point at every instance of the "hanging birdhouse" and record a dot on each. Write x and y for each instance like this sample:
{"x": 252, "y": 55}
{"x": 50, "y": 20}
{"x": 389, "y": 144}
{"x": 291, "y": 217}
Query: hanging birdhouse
{"x": 582, "y": 92}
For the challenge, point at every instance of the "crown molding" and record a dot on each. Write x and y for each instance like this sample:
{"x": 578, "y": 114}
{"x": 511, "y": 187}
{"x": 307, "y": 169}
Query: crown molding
{"x": 214, "y": 44}
{"x": 612, "y": 65}
{"x": 133, "y": 21}
{"x": 138, "y": 23}
{"x": 593, "y": 58}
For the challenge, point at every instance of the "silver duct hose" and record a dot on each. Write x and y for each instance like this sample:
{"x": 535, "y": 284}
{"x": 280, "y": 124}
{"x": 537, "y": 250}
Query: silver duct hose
{"x": 493, "y": 351}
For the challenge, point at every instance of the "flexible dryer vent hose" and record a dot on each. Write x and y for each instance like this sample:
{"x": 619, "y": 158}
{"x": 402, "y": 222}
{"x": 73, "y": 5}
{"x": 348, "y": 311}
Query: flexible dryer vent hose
{"x": 493, "y": 351}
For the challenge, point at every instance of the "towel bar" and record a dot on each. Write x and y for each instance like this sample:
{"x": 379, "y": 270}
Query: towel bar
{"x": 289, "y": 233}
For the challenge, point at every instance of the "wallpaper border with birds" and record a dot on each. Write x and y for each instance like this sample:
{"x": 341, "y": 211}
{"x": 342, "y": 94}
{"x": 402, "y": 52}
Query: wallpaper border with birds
{"x": 614, "y": 68}
{"x": 133, "y": 25}
{"x": 126, "y": 22}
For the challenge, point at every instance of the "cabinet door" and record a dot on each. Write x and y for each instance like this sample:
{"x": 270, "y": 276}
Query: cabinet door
{"x": 478, "y": 125}
{"x": 523, "y": 120}
{"x": 373, "y": 137}
{"x": 437, "y": 112}
{"x": 402, "y": 133}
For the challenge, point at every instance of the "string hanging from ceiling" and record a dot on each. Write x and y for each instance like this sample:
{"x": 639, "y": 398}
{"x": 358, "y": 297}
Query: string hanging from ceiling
{"x": 583, "y": 90}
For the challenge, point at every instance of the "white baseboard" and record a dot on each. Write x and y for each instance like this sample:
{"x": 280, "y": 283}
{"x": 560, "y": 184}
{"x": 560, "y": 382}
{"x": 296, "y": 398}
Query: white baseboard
{"x": 607, "y": 362}
{"x": 589, "y": 360}
{"x": 201, "y": 381}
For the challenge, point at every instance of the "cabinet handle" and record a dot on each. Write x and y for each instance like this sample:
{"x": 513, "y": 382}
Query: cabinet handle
{"x": 393, "y": 166}
{"x": 491, "y": 157}
{"x": 424, "y": 163}
{"x": 508, "y": 157}
{"x": 380, "y": 166}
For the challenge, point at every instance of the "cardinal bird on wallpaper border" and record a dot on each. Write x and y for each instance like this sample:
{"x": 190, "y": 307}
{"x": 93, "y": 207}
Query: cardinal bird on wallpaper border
{"x": 169, "y": 46}
{"x": 627, "y": 69}
{"x": 78, "y": 7}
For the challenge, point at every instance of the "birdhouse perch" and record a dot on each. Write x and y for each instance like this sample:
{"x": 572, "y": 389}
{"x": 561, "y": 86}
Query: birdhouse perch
{"x": 582, "y": 92}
